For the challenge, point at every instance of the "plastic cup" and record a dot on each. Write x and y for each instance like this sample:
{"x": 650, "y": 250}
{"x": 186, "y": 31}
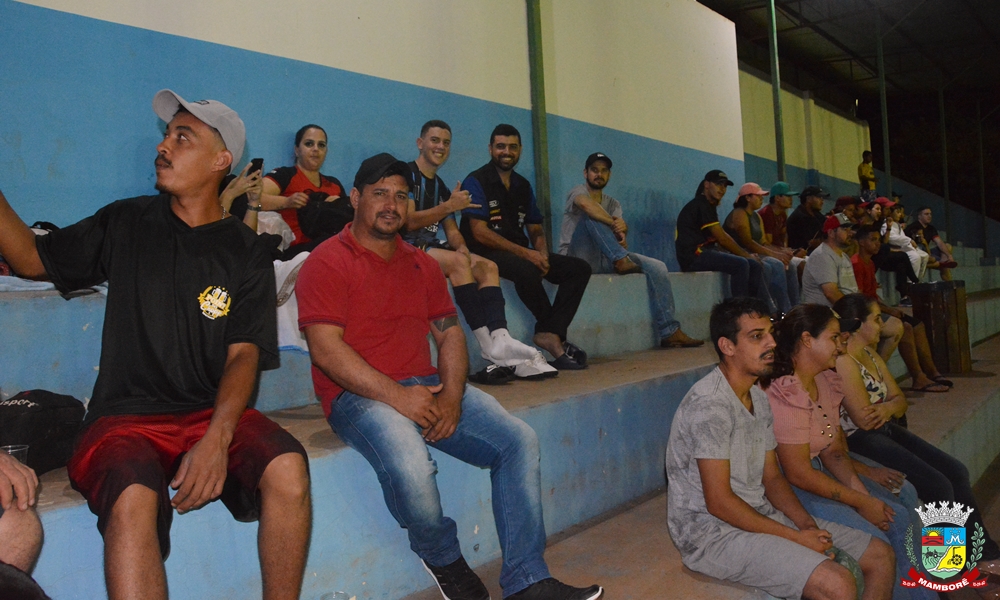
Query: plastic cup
{"x": 18, "y": 451}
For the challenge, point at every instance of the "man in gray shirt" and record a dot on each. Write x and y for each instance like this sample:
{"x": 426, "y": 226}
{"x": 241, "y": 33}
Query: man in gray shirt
{"x": 731, "y": 512}
{"x": 829, "y": 275}
{"x": 593, "y": 229}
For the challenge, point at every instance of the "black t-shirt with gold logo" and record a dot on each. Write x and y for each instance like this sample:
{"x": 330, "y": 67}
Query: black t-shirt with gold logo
{"x": 177, "y": 298}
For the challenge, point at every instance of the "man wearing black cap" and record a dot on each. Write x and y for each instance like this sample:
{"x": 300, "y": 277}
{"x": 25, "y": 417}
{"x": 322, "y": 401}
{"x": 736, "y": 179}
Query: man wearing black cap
{"x": 805, "y": 224}
{"x": 496, "y": 229}
{"x": 367, "y": 301}
{"x": 703, "y": 245}
{"x": 593, "y": 229}
{"x": 190, "y": 319}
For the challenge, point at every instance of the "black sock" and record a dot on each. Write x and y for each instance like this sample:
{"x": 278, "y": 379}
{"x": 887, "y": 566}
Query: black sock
{"x": 493, "y": 307}
{"x": 467, "y": 299}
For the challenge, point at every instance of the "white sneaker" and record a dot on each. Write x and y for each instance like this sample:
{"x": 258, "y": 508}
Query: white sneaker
{"x": 536, "y": 368}
{"x": 485, "y": 343}
{"x": 507, "y": 351}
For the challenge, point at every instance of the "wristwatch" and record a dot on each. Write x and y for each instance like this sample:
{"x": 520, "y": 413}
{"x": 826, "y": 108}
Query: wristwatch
{"x": 257, "y": 208}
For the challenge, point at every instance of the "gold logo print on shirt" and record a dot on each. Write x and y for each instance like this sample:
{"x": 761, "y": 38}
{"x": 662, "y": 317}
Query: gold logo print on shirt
{"x": 214, "y": 302}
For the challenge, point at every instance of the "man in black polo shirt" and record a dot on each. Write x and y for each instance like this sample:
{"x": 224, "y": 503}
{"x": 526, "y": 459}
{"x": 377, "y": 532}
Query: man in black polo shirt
{"x": 474, "y": 280}
{"x": 703, "y": 245}
{"x": 805, "y": 224}
{"x": 190, "y": 319}
{"x": 495, "y": 230}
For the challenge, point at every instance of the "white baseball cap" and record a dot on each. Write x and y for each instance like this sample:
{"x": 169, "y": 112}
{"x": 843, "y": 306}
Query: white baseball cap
{"x": 210, "y": 112}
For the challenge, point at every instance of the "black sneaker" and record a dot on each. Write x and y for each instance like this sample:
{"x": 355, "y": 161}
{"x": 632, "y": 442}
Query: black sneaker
{"x": 458, "y": 582}
{"x": 553, "y": 589}
{"x": 492, "y": 375}
{"x": 576, "y": 353}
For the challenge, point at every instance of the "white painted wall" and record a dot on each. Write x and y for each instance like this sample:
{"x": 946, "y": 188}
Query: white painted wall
{"x": 475, "y": 48}
{"x": 663, "y": 70}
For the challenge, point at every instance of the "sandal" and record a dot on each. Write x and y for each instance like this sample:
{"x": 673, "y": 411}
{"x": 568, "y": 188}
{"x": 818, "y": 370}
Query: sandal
{"x": 930, "y": 388}
{"x": 940, "y": 379}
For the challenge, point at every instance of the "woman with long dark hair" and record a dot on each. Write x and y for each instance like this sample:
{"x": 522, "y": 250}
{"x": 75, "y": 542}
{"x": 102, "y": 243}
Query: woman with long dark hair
{"x": 872, "y": 399}
{"x": 805, "y": 397}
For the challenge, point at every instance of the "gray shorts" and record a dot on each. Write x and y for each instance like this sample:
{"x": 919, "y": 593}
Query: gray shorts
{"x": 778, "y": 566}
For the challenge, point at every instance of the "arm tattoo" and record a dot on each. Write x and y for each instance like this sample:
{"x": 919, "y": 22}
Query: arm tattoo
{"x": 445, "y": 323}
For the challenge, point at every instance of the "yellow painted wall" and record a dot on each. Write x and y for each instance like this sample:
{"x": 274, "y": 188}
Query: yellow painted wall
{"x": 815, "y": 137}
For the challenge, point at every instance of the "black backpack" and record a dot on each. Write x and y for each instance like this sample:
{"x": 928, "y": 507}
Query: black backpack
{"x": 47, "y": 422}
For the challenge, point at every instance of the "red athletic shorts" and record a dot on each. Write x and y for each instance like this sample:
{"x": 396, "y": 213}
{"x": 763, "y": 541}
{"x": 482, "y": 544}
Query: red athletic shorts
{"x": 117, "y": 451}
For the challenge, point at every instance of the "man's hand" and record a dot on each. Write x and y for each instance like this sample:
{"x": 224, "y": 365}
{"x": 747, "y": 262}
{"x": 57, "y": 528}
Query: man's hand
{"x": 817, "y": 540}
{"x": 16, "y": 481}
{"x": 450, "y": 411}
{"x": 418, "y": 404}
{"x": 618, "y": 225}
{"x": 296, "y": 200}
{"x": 541, "y": 261}
{"x": 877, "y": 513}
{"x": 201, "y": 474}
{"x": 460, "y": 199}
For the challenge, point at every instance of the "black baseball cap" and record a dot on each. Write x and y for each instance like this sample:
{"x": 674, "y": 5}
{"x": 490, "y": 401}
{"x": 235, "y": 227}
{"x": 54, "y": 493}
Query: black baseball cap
{"x": 596, "y": 156}
{"x": 377, "y": 167}
{"x": 717, "y": 176}
{"x": 814, "y": 190}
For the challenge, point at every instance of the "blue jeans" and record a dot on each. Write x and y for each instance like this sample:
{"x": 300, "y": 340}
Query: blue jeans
{"x": 745, "y": 274}
{"x": 487, "y": 436}
{"x": 838, "y": 512}
{"x": 937, "y": 475}
{"x": 783, "y": 284}
{"x": 661, "y": 294}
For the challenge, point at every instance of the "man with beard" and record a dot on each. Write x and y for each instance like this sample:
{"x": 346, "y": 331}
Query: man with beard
{"x": 367, "y": 301}
{"x": 730, "y": 510}
{"x": 496, "y": 231}
{"x": 593, "y": 229}
{"x": 475, "y": 281}
{"x": 703, "y": 245}
{"x": 806, "y": 222}
{"x": 190, "y": 319}
{"x": 828, "y": 275}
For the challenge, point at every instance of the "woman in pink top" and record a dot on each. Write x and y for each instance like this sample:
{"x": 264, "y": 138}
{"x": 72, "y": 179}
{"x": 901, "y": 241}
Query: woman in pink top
{"x": 805, "y": 397}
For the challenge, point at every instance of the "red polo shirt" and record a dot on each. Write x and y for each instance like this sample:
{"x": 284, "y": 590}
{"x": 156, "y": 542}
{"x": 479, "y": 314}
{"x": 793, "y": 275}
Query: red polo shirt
{"x": 865, "y": 275}
{"x": 384, "y": 307}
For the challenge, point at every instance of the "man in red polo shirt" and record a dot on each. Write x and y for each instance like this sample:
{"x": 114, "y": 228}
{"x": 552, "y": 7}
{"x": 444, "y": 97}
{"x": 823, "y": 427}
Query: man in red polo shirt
{"x": 367, "y": 301}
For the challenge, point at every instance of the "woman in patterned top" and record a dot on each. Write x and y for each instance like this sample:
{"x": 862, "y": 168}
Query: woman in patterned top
{"x": 871, "y": 401}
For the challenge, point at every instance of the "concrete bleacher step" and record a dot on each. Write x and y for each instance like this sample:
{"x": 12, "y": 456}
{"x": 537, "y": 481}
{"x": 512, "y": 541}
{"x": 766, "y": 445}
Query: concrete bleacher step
{"x": 602, "y": 431}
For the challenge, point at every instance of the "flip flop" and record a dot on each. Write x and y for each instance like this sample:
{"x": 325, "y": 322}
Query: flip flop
{"x": 943, "y": 381}
{"x": 927, "y": 388}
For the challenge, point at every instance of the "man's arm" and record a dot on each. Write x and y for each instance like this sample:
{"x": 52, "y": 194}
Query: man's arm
{"x": 18, "y": 482}
{"x": 453, "y": 366}
{"x": 459, "y": 200}
{"x": 726, "y": 241}
{"x": 17, "y": 244}
{"x": 332, "y": 355}
{"x": 491, "y": 239}
{"x": 593, "y": 209}
{"x": 832, "y": 291}
{"x": 779, "y": 493}
{"x": 725, "y": 505}
{"x": 202, "y": 472}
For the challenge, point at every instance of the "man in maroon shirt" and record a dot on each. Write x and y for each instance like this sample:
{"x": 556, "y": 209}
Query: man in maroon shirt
{"x": 913, "y": 346}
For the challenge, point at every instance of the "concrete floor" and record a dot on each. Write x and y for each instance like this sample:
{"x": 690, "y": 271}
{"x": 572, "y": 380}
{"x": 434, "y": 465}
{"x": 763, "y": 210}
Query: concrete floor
{"x": 629, "y": 552}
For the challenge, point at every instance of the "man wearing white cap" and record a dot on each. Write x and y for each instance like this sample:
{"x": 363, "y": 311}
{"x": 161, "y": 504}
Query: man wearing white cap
{"x": 190, "y": 318}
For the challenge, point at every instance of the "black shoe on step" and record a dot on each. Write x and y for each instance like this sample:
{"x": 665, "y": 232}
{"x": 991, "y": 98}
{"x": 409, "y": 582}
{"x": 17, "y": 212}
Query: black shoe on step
{"x": 458, "y": 581}
{"x": 492, "y": 375}
{"x": 553, "y": 589}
